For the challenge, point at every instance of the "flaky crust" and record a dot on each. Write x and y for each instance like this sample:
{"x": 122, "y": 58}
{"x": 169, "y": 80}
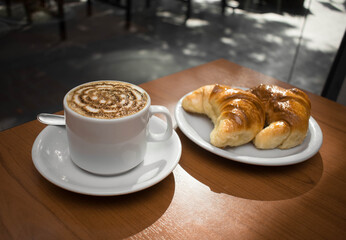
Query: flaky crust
{"x": 287, "y": 116}
{"x": 237, "y": 115}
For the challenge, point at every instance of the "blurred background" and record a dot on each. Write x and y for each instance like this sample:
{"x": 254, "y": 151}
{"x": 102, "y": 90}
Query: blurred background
{"x": 50, "y": 46}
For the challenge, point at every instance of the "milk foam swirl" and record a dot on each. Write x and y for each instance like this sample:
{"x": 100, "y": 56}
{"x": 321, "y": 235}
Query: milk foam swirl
{"x": 106, "y": 100}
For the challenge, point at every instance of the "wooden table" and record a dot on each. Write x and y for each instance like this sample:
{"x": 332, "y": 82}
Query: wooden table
{"x": 206, "y": 197}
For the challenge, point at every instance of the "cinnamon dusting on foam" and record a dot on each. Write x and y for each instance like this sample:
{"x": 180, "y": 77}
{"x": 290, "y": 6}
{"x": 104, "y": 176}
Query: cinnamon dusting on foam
{"x": 106, "y": 100}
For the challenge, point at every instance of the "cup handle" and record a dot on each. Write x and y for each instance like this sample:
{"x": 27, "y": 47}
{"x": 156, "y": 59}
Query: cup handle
{"x": 156, "y": 137}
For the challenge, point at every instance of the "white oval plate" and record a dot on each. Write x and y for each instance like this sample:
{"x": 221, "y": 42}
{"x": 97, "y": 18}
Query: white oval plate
{"x": 51, "y": 158}
{"x": 197, "y": 128}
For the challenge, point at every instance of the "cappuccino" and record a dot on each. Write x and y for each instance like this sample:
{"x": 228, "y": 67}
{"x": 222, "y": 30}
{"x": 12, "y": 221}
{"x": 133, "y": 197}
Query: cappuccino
{"x": 106, "y": 99}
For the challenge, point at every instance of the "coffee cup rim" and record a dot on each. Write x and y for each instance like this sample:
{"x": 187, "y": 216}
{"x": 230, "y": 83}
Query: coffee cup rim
{"x": 67, "y": 108}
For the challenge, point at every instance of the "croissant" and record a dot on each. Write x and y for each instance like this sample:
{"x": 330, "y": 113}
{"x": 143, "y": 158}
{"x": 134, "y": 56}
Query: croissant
{"x": 237, "y": 115}
{"x": 287, "y": 117}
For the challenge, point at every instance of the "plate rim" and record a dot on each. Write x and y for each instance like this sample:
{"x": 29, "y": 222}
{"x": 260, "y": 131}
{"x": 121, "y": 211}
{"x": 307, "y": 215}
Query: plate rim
{"x": 295, "y": 158}
{"x": 93, "y": 191}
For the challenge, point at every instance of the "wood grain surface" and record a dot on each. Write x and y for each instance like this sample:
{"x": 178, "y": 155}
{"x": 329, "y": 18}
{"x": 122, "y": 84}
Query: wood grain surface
{"x": 205, "y": 197}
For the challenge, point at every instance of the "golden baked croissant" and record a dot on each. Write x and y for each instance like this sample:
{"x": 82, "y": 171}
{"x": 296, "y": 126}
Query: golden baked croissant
{"x": 287, "y": 117}
{"x": 237, "y": 115}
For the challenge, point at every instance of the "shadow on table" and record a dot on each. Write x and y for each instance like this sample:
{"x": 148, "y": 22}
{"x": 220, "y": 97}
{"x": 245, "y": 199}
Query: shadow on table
{"x": 250, "y": 181}
{"x": 112, "y": 217}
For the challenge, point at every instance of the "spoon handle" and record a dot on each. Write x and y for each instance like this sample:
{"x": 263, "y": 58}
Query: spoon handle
{"x": 51, "y": 119}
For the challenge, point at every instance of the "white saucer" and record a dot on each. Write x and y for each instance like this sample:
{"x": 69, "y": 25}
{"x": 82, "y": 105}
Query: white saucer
{"x": 51, "y": 158}
{"x": 197, "y": 128}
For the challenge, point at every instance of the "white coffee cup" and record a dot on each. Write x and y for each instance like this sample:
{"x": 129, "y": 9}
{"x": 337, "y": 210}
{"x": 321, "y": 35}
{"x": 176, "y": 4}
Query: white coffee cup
{"x": 112, "y": 146}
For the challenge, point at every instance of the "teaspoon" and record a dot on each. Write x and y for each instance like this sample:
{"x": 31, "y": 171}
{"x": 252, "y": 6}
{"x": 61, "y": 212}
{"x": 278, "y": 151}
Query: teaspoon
{"x": 51, "y": 119}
